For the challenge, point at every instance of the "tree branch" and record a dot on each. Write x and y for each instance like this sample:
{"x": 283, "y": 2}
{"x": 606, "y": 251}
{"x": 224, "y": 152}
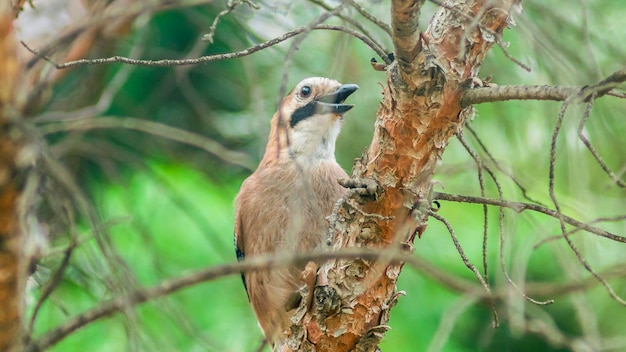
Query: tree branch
{"x": 543, "y": 92}
{"x": 253, "y": 264}
{"x": 358, "y": 25}
{"x": 551, "y": 190}
{"x": 382, "y": 25}
{"x": 272, "y": 261}
{"x": 520, "y": 207}
{"x": 209, "y": 58}
{"x": 517, "y": 92}
{"x": 405, "y": 34}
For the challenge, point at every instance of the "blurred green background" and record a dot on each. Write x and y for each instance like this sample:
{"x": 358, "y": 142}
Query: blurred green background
{"x": 168, "y": 207}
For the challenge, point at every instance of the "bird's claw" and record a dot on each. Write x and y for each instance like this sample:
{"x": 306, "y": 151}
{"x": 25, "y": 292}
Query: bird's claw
{"x": 364, "y": 187}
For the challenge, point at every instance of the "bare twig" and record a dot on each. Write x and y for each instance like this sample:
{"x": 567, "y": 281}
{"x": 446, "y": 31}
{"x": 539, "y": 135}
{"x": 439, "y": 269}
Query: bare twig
{"x": 557, "y": 206}
{"x": 483, "y": 147}
{"x": 617, "y": 94}
{"x": 380, "y": 47}
{"x": 272, "y": 261}
{"x": 517, "y": 92}
{"x": 500, "y": 229}
{"x": 505, "y": 272}
{"x": 230, "y": 6}
{"x": 560, "y": 237}
{"x": 556, "y": 93}
{"x": 520, "y": 207}
{"x": 468, "y": 264}
{"x": 481, "y": 183}
{"x": 209, "y": 58}
{"x": 596, "y": 155}
{"x": 502, "y": 45}
{"x": 603, "y": 87}
{"x": 375, "y": 20}
{"x": 251, "y": 264}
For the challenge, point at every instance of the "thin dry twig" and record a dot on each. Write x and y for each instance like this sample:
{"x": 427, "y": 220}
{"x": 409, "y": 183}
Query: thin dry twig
{"x": 596, "y": 155}
{"x": 559, "y": 214}
{"x": 230, "y": 7}
{"x": 115, "y": 274}
{"x": 507, "y": 277}
{"x": 500, "y": 230}
{"x": 497, "y": 165}
{"x": 543, "y": 92}
{"x": 209, "y": 58}
{"x": 359, "y": 27}
{"x": 468, "y": 264}
{"x": 105, "y": 97}
{"x": 520, "y": 207}
{"x": 252, "y": 264}
{"x": 481, "y": 183}
{"x": 375, "y": 20}
{"x": 573, "y": 231}
{"x": 266, "y": 262}
{"x": 517, "y": 92}
{"x": 502, "y": 45}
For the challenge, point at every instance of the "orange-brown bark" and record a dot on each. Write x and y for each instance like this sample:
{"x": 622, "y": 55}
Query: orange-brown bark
{"x": 11, "y": 280}
{"x": 419, "y": 113}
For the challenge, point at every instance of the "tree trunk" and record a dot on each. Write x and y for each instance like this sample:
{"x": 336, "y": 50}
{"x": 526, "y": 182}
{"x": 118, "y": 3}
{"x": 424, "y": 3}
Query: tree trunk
{"x": 420, "y": 111}
{"x": 12, "y": 267}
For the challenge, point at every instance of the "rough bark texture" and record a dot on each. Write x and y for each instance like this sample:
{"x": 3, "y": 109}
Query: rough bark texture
{"x": 419, "y": 113}
{"x": 12, "y": 270}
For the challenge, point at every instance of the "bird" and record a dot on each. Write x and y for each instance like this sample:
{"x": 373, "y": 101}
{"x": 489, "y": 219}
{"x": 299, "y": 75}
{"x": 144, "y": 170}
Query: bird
{"x": 282, "y": 207}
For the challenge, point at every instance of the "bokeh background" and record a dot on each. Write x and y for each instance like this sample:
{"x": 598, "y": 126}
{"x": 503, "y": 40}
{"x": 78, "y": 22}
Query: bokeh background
{"x": 167, "y": 207}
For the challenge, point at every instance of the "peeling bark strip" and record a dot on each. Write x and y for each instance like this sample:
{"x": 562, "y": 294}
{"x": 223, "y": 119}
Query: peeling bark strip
{"x": 10, "y": 302}
{"x": 11, "y": 280}
{"x": 420, "y": 111}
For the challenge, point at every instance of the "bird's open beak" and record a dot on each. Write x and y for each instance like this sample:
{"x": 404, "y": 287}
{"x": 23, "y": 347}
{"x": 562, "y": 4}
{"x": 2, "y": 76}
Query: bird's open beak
{"x": 333, "y": 102}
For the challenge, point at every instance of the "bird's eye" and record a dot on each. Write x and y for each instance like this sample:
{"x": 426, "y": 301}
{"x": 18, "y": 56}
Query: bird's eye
{"x": 305, "y": 91}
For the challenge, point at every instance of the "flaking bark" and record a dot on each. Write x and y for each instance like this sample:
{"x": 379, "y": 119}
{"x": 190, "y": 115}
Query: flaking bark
{"x": 12, "y": 267}
{"x": 420, "y": 111}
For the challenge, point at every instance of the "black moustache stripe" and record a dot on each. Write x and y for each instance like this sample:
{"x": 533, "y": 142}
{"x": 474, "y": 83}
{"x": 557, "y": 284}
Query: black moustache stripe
{"x": 302, "y": 113}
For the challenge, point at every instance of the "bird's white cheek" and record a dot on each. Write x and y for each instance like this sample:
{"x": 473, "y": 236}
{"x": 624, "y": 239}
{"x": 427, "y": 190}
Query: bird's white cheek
{"x": 314, "y": 139}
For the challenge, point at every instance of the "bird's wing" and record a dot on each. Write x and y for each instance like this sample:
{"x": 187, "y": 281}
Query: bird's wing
{"x": 239, "y": 247}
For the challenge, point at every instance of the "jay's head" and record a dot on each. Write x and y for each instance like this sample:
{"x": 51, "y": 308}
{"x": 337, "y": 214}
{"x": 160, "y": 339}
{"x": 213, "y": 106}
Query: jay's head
{"x": 312, "y": 113}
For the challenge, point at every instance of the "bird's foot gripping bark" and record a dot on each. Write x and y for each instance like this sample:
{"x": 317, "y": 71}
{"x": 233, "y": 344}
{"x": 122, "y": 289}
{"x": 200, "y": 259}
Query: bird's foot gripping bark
{"x": 367, "y": 188}
{"x": 360, "y": 190}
